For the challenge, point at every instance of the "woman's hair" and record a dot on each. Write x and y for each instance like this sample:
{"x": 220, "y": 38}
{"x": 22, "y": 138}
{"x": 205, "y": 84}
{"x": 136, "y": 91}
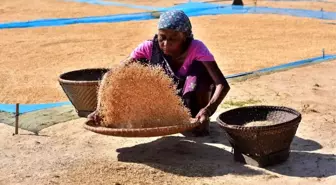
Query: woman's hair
{"x": 176, "y": 20}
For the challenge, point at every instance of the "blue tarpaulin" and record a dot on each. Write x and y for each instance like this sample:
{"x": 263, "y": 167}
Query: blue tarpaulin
{"x": 191, "y": 9}
{"x": 83, "y": 20}
{"x": 286, "y": 66}
{"x": 30, "y": 107}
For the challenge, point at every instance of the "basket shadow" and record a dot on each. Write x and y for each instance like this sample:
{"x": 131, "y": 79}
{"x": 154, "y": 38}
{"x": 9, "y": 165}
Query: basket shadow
{"x": 304, "y": 164}
{"x": 38, "y": 135}
{"x": 178, "y": 155}
{"x": 300, "y": 144}
{"x": 217, "y": 136}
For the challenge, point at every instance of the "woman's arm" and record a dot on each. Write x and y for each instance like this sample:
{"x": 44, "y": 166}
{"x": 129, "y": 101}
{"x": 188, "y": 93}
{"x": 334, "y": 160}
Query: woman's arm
{"x": 143, "y": 51}
{"x": 222, "y": 86}
{"x": 128, "y": 61}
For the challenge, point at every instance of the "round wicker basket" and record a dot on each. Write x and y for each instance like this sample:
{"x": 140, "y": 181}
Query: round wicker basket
{"x": 140, "y": 132}
{"x": 258, "y": 141}
{"x": 81, "y": 88}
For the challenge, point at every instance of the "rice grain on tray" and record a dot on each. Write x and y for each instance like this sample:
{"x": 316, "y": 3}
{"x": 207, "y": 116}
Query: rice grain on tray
{"x": 259, "y": 123}
{"x": 139, "y": 96}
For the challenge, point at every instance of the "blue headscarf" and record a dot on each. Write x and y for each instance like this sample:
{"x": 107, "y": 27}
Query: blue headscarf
{"x": 176, "y": 20}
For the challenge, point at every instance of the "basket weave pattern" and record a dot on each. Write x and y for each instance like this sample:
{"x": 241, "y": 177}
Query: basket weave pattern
{"x": 81, "y": 88}
{"x": 139, "y": 132}
{"x": 82, "y": 96}
{"x": 260, "y": 140}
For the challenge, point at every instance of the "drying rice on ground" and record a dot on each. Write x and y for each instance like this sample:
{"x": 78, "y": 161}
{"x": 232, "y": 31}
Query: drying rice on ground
{"x": 69, "y": 154}
{"x": 327, "y": 5}
{"x": 330, "y": 5}
{"x": 37, "y": 56}
{"x": 154, "y": 3}
{"x": 139, "y": 96}
{"x": 23, "y": 10}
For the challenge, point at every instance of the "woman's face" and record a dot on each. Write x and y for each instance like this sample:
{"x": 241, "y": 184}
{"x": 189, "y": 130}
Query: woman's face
{"x": 171, "y": 41}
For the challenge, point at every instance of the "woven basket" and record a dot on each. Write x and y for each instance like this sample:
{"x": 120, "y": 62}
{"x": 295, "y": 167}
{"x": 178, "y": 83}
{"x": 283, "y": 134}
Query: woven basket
{"x": 260, "y": 140}
{"x": 140, "y": 132}
{"x": 81, "y": 88}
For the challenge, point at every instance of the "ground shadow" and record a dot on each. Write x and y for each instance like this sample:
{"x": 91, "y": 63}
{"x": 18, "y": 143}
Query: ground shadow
{"x": 217, "y": 136}
{"x": 304, "y": 164}
{"x": 38, "y": 135}
{"x": 300, "y": 144}
{"x": 195, "y": 157}
{"x": 178, "y": 155}
{"x": 332, "y": 23}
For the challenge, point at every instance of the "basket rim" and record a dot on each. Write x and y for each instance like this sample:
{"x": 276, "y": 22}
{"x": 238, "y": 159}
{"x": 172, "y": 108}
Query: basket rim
{"x": 82, "y": 82}
{"x": 294, "y": 121}
{"x": 139, "y": 132}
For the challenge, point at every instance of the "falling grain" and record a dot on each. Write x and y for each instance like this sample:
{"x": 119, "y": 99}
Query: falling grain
{"x": 138, "y": 96}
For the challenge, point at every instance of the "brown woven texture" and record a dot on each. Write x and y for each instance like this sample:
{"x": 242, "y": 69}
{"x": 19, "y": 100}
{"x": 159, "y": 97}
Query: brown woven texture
{"x": 81, "y": 87}
{"x": 140, "y": 132}
{"x": 260, "y": 140}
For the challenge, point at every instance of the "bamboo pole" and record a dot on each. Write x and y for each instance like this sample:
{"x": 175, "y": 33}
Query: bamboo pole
{"x": 17, "y": 113}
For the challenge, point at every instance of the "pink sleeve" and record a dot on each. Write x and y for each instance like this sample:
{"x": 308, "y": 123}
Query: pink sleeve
{"x": 202, "y": 53}
{"x": 144, "y": 50}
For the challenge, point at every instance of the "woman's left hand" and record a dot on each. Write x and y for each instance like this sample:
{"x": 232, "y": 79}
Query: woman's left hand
{"x": 203, "y": 116}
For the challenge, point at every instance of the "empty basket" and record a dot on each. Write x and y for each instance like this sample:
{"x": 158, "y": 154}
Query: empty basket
{"x": 81, "y": 87}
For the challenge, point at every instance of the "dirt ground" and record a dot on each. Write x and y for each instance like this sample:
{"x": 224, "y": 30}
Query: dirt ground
{"x": 37, "y": 56}
{"x": 68, "y": 154}
{"x": 326, "y": 6}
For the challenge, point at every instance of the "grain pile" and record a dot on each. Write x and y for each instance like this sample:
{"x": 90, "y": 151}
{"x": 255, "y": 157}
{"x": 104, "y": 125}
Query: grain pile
{"x": 259, "y": 123}
{"x": 139, "y": 96}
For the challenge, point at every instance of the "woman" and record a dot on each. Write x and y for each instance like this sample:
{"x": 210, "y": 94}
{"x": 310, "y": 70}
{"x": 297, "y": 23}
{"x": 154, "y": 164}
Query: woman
{"x": 200, "y": 83}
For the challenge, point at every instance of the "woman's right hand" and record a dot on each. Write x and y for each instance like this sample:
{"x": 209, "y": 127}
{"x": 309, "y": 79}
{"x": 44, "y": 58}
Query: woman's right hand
{"x": 94, "y": 116}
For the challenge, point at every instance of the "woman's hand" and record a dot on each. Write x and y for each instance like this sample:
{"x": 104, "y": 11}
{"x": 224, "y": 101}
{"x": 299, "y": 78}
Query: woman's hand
{"x": 94, "y": 116}
{"x": 203, "y": 116}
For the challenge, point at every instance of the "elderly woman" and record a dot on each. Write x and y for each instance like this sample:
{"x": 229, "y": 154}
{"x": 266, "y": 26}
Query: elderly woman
{"x": 200, "y": 83}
